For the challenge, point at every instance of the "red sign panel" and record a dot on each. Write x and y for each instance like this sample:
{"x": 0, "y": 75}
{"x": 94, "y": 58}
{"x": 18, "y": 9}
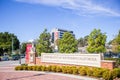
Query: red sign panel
{"x": 28, "y": 49}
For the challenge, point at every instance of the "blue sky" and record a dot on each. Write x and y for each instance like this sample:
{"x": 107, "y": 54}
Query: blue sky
{"x": 28, "y": 18}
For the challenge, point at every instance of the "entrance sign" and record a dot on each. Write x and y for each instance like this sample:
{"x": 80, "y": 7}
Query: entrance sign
{"x": 75, "y": 59}
{"x": 28, "y": 49}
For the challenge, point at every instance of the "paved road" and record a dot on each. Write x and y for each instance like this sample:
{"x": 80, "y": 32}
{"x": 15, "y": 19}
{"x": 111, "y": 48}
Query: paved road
{"x": 11, "y": 63}
{"x": 7, "y": 72}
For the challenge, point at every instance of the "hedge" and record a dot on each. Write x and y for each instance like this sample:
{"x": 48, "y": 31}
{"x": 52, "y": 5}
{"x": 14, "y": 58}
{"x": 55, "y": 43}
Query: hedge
{"x": 83, "y": 71}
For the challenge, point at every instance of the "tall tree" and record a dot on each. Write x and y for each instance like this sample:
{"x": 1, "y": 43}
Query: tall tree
{"x": 44, "y": 43}
{"x": 116, "y": 44}
{"x": 83, "y": 41}
{"x": 96, "y": 41}
{"x": 68, "y": 44}
{"x": 7, "y": 40}
{"x": 23, "y": 47}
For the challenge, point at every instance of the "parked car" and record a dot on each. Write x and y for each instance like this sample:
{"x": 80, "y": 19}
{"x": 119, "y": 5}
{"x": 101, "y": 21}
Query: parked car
{"x": 22, "y": 55}
{"x": 5, "y": 58}
{"x": 15, "y": 57}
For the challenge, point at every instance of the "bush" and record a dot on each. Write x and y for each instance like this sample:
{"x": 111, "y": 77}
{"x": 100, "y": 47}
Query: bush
{"x": 89, "y": 71}
{"x": 34, "y": 68}
{"x": 82, "y": 71}
{"x": 18, "y": 68}
{"x": 107, "y": 75}
{"x": 74, "y": 70}
{"x": 98, "y": 72}
{"x": 58, "y": 69}
{"x": 43, "y": 68}
{"x": 25, "y": 67}
{"x": 64, "y": 69}
{"x": 38, "y": 68}
{"x": 116, "y": 73}
{"x": 68, "y": 69}
{"x": 49, "y": 68}
{"x": 29, "y": 67}
{"x": 53, "y": 68}
{"x": 24, "y": 64}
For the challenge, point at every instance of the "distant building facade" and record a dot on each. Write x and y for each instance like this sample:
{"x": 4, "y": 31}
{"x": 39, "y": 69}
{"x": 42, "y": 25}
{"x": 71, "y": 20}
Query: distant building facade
{"x": 57, "y": 33}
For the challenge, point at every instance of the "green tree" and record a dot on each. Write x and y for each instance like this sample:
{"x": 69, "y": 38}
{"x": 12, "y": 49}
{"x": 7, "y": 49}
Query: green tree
{"x": 44, "y": 43}
{"x": 6, "y": 42}
{"x": 68, "y": 44}
{"x": 116, "y": 44}
{"x": 96, "y": 41}
{"x": 83, "y": 41}
{"x": 23, "y": 47}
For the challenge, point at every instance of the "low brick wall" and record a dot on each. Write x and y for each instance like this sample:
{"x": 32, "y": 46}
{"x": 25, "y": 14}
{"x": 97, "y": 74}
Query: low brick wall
{"x": 104, "y": 63}
{"x": 108, "y": 64}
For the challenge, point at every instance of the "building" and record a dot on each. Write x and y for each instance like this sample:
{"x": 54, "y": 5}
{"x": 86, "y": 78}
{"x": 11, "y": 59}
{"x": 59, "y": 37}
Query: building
{"x": 58, "y": 34}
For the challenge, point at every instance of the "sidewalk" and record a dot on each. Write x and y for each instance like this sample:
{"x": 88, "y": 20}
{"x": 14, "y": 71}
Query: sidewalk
{"x": 8, "y": 73}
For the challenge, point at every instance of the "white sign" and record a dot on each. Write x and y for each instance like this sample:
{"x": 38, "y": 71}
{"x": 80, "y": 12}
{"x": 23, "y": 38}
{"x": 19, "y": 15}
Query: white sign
{"x": 76, "y": 59}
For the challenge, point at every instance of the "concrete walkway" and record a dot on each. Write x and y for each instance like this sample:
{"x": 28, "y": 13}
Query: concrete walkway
{"x": 8, "y": 73}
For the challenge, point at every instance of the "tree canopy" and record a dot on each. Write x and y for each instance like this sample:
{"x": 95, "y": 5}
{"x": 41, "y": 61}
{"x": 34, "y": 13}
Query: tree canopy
{"x": 96, "y": 42}
{"x": 6, "y": 42}
{"x": 44, "y": 44}
{"x": 67, "y": 44}
{"x": 116, "y": 44}
{"x": 83, "y": 41}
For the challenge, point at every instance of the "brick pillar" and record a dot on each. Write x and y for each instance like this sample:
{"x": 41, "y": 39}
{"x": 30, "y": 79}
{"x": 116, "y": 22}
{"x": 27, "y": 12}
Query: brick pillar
{"x": 108, "y": 64}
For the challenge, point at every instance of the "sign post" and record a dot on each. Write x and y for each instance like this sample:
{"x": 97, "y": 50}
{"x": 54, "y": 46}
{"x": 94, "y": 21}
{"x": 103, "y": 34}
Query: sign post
{"x": 30, "y": 54}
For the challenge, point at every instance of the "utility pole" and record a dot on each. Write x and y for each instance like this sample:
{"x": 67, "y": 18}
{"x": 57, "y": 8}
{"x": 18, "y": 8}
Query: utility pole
{"x": 12, "y": 45}
{"x": 20, "y": 54}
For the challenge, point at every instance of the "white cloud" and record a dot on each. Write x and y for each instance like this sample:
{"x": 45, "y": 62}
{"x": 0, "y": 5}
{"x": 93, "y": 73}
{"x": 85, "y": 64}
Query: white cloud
{"x": 83, "y": 7}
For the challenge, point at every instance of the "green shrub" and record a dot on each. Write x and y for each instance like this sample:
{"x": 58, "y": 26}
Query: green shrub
{"x": 64, "y": 69}
{"x": 24, "y": 64}
{"x": 58, "y": 69}
{"x": 116, "y": 73}
{"x": 107, "y": 75}
{"x": 34, "y": 68}
{"x": 98, "y": 72}
{"x": 43, "y": 68}
{"x": 29, "y": 67}
{"x": 38, "y": 68}
{"x": 25, "y": 67}
{"x": 74, "y": 70}
{"x": 18, "y": 68}
{"x": 68, "y": 69}
{"x": 49, "y": 68}
{"x": 89, "y": 71}
{"x": 53, "y": 68}
{"x": 82, "y": 71}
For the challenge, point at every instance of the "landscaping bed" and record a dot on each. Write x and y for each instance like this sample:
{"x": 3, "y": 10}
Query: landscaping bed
{"x": 81, "y": 70}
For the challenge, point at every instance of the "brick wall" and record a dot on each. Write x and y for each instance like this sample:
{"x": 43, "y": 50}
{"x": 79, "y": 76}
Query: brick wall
{"x": 108, "y": 64}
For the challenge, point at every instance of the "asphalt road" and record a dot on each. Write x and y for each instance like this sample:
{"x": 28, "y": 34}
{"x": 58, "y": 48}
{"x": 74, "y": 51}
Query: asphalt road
{"x": 12, "y": 62}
